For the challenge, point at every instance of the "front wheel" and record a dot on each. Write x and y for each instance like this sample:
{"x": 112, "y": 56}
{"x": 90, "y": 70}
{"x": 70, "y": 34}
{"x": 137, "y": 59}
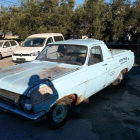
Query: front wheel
{"x": 59, "y": 114}
{"x": 118, "y": 80}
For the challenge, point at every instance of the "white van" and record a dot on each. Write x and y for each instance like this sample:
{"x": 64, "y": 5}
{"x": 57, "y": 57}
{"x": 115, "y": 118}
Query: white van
{"x": 7, "y": 47}
{"x": 33, "y": 45}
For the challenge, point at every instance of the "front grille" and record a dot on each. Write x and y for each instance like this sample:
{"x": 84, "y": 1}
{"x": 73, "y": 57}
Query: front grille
{"x": 9, "y": 96}
{"x": 15, "y": 54}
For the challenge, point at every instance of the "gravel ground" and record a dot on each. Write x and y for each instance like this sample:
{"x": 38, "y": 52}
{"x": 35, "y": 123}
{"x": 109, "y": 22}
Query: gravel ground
{"x": 111, "y": 114}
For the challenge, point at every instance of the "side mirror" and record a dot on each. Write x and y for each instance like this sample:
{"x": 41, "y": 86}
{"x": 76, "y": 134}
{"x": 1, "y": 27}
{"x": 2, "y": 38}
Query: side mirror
{"x": 4, "y": 46}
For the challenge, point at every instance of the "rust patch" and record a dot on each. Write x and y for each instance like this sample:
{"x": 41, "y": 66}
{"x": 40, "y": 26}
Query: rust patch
{"x": 71, "y": 98}
{"x": 53, "y": 72}
{"x": 10, "y": 96}
{"x": 79, "y": 100}
{"x": 86, "y": 100}
{"x": 125, "y": 71}
{"x": 12, "y": 70}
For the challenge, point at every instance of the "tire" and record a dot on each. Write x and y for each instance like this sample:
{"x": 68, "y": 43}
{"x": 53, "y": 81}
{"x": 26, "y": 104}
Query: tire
{"x": 119, "y": 79}
{"x": 0, "y": 56}
{"x": 59, "y": 113}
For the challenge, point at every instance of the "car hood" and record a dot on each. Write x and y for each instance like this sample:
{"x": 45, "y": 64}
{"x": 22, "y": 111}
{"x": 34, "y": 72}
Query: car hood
{"x": 20, "y": 78}
{"x": 28, "y": 50}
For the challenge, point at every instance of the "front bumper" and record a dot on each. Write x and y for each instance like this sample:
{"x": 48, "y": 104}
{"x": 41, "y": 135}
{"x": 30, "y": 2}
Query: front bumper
{"x": 20, "y": 62}
{"x": 17, "y": 111}
{"x": 21, "y": 59}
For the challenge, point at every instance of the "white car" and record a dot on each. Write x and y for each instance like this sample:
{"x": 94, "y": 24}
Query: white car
{"x": 7, "y": 47}
{"x": 33, "y": 45}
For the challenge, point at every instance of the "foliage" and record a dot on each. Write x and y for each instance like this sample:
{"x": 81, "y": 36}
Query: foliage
{"x": 95, "y": 18}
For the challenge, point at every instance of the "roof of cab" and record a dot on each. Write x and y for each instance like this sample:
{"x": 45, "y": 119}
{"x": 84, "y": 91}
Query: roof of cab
{"x": 83, "y": 42}
{"x": 46, "y": 35}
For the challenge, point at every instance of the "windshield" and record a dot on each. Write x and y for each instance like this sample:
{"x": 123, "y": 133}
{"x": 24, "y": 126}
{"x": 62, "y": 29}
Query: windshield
{"x": 1, "y": 44}
{"x": 69, "y": 54}
{"x": 33, "y": 42}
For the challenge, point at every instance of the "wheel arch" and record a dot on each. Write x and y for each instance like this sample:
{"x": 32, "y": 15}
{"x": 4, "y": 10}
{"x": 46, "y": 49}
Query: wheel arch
{"x": 72, "y": 98}
{"x": 124, "y": 71}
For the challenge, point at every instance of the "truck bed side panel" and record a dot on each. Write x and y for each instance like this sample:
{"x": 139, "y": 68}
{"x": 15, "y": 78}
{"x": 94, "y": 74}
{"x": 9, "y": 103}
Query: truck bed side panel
{"x": 121, "y": 59}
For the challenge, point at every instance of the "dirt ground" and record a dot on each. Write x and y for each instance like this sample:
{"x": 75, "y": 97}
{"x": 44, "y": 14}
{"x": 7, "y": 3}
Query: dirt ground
{"x": 5, "y": 62}
{"x": 111, "y": 114}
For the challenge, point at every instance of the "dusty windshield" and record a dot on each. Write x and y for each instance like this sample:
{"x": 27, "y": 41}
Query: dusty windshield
{"x": 69, "y": 54}
{"x": 1, "y": 44}
{"x": 33, "y": 42}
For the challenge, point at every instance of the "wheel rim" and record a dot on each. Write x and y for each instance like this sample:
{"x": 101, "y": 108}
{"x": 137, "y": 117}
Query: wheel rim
{"x": 59, "y": 113}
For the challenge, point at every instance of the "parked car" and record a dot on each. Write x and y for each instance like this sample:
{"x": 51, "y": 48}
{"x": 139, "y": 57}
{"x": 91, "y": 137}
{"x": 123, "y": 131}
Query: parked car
{"x": 7, "y": 47}
{"x": 33, "y": 45}
{"x": 63, "y": 75}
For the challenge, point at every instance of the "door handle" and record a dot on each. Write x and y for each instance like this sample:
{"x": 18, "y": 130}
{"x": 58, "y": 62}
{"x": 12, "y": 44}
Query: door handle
{"x": 105, "y": 64}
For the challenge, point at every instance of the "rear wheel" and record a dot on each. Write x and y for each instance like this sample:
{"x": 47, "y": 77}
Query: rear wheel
{"x": 119, "y": 79}
{"x": 59, "y": 114}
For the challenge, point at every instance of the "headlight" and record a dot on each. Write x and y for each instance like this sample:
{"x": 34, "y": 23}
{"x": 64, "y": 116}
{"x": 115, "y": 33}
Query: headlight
{"x": 25, "y": 103}
{"x": 34, "y": 54}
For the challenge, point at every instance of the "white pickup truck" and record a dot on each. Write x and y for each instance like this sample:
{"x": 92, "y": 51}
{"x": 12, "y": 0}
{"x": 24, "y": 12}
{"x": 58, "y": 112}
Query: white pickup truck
{"x": 63, "y": 75}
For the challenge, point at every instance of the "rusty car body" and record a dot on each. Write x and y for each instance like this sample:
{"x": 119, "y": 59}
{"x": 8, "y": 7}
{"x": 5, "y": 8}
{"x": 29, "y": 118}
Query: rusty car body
{"x": 66, "y": 72}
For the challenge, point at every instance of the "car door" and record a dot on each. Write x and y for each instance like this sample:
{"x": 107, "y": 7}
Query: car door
{"x": 50, "y": 40}
{"x": 96, "y": 71}
{"x": 13, "y": 45}
{"x": 7, "y": 50}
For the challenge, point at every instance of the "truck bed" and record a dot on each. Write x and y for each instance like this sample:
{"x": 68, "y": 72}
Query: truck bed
{"x": 117, "y": 52}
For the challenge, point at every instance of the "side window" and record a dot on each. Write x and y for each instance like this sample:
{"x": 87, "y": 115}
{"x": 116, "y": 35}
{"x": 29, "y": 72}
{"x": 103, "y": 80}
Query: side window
{"x": 52, "y": 52}
{"x": 95, "y": 55}
{"x": 50, "y": 40}
{"x": 13, "y": 43}
{"x": 58, "y": 38}
{"x": 6, "y": 44}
